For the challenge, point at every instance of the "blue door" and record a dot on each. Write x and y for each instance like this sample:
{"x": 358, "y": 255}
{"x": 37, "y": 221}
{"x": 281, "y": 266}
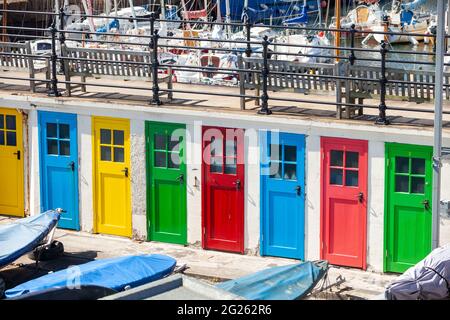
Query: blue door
{"x": 282, "y": 195}
{"x": 59, "y": 166}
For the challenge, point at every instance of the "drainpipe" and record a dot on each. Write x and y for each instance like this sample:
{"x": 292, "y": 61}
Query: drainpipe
{"x": 438, "y": 92}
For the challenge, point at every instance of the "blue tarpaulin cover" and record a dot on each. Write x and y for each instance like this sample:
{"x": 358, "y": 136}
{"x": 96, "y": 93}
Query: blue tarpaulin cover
{"x": 113, "y": 273}
{"x": 23, "y": 235}
{"x": 278, "y": 283}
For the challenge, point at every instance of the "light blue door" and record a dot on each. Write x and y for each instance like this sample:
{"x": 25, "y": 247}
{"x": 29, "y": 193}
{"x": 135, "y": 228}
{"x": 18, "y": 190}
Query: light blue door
{"x": 59, "y": 166}
{"x": 282, "y": 194}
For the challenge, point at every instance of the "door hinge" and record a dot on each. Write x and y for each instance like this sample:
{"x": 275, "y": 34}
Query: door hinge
{"x": 388, "y": 161}
{"x": 386, "y": 254}
{"x": 262, "y": 238}
{"x": 323, "y": 155}
{"x": 204, "y": 231}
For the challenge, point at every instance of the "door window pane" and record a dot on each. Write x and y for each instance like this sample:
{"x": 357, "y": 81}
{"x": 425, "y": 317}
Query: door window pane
{"x": 160, "y": 141}
{"x": 290, "y": 171}
{"x": 230, "y": 166}
{"x": 216, "y": 164}
{"x": 336, "y": 176}
{"x": 417, "y": 185}
{"x": 119, "y": 138}
{"x": 275, "y": 170}
{"x": 2, "y": 121}
{"x": 231, "y": 148}
{"x": 11, "y": 138}
{"x": 52, "y": 146}
{"x": 174, "y": 160}
{"x": 160, "y": 159}
{"x": 119, "y": 154}
{"x": 336, "y": 158}
{"x": 64, "y": 131}
{"x": 275, "y": 152}
{"x": 2, "y": 137}
{"x": 417, "y": 166}
{"x": 11, "y": 122}
{"x": 401, "y": 165}
{"x": 51, "y": 130}
{"x": 351, "y": 178}
{"x": 105, "y": 136}
{"x": 64, "y": 148}
{"x": 105, "y": 153}
{"x": 216, "y": 147}
{"x": 290, "y": 153}
{"x": 351, "y": 159}
{"x": 174, "y": 145}
{"x": 401, "y": 183}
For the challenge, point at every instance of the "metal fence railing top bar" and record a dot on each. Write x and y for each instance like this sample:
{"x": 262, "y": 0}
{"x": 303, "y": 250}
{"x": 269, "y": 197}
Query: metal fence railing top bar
{"x": 294, "y": 59}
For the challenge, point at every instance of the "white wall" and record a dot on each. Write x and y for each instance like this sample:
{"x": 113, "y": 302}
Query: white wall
{"x": 85, "y": 172}
{"x": 33, "y": 139}
{"x": 138, "y": 180}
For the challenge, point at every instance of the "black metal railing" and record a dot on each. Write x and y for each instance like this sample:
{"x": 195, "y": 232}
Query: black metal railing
{"x": 349, "y": 55}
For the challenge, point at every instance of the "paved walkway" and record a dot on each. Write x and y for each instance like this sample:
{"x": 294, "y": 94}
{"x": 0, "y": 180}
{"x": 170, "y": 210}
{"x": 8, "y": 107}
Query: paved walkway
{"x": 212, "y": 266}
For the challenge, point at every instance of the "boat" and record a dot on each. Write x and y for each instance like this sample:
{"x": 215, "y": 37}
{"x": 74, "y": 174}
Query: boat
{"x": 25, "y": 235}
{"x": 175, "y": 287}
{"x": 428, "y": 280}
{"x": 114, "y": 273}
{"x": 289, "y": 282}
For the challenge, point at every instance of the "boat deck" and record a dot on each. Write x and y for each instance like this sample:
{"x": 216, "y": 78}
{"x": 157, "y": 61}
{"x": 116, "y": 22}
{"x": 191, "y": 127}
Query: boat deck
{"x": 200, "y": 99}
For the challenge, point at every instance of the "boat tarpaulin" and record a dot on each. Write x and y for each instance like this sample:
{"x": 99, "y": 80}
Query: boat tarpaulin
{"x": 278, "y": 283}
{"x": 114, "y": 273}
{"x": 427, "y": 280}
{"x": 23, "y": 235}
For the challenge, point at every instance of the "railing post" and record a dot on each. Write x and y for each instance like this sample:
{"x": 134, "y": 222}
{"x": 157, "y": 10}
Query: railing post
{"x": 352, "y": 56}
{"x": 248, "y": 30}
{"x": 265, "y": 75}
{"x": 155, "y": 67}
{"x": 383, "y": 81}
{"x": 62, "y": 34}
{"x": 54, "y": 59}
{"x": 152, "y": 29}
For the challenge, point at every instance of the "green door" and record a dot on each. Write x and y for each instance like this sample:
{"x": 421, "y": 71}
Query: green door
{"x": 166, "y": 182}
{"x": 408, "y": 205}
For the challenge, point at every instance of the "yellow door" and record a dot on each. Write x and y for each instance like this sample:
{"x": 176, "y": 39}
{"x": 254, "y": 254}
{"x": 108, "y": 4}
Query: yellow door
{"x": 11, "y": 163}
{"x": 111, "y": 141}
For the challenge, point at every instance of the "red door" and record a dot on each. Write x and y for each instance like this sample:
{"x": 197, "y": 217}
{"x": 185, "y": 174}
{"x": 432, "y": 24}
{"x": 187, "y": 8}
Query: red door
{"x": 223, "y": 189}
{"x": 344, "y": 201}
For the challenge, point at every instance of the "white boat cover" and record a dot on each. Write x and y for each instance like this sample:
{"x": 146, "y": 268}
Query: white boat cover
{"x": 427, "y": 280}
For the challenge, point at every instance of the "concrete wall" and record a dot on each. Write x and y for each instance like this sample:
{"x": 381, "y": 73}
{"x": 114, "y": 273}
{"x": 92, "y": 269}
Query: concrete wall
{"x": 194, "y": 119}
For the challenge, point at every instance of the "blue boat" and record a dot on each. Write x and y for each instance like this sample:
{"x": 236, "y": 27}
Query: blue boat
{"x": 116, "y": 274}
{"x": 279, "y": 283}
{"x": 24, "y": 235}
{"x": 261, "y": 11}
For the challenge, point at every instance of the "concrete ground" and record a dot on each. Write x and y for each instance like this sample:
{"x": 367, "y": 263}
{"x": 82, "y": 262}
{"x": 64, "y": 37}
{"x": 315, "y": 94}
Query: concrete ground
{"x": 212, "y": 266}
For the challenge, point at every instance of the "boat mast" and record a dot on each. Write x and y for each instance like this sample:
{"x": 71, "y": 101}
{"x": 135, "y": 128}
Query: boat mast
{"x": 88, "y": 9}
{"x": 228, "y": 18}
{"x": 337, "y": 38}
{"x": 133, "y": 12}
{"x": 5, "y": 20}
{"x": 163, "y": 10}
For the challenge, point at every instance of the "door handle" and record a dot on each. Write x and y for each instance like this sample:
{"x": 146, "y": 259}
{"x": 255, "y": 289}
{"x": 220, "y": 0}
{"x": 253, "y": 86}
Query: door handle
{"x": 298, "y": 189}
{"x": 126, "y": 172}
{"x": 360, "y": 197}
{"x": 426, "y": 204}
{"x": 17, "y": 154}
{"x": 72, "y": 165}
{"x": 181, "y": 178}
{"x": 237, "y": 184}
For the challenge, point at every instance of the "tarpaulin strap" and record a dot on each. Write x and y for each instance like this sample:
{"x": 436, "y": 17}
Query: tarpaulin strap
{"x": 440, "y": 275}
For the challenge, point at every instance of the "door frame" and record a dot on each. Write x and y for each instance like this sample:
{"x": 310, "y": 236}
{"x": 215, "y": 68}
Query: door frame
{"x": 43, "y": 117}
{"x": 20, "y": 147}
{"x": 205, "y": 167}
{"x": 323, "y": 226}
{"x": 387, "y": 229}
{"x": 149, "y": 188}
{"x": 95, "y": 121}
{"x": 264, "y": 146}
